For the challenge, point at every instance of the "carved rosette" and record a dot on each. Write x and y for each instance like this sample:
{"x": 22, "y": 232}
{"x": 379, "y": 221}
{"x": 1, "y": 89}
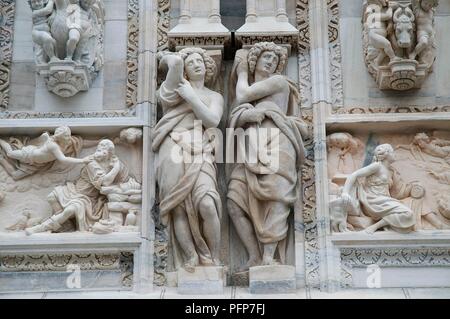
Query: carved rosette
{"x": 399, "y": 43}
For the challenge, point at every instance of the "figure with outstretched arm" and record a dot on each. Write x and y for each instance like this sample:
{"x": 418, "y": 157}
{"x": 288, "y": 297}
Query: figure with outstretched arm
{"x": 21, "y": 160}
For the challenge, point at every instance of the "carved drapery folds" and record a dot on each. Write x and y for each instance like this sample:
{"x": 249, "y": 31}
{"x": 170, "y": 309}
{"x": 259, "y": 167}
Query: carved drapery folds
{"x": 68, "y": 38}
{"x": 102, "y": 196}
{"x": 7, "y": 10}
{"x": 399, "y": 42}
{"x": 384, "y": 193}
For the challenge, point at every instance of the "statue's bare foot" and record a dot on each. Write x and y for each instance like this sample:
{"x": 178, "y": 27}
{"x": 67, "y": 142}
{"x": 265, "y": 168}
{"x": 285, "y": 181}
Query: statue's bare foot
{"x": 268, "y": 261}
{"x": 54, "y": 59}
{"x": 190, "y": 265}
{"x": 368, "y": 231}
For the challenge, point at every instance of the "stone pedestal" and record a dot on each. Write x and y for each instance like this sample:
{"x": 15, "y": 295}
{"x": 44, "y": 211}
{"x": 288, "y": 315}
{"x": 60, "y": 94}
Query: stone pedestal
{"x": 203, "y": 281}
{"x": 272, "y": 279}
{"x": 66, "y": 78}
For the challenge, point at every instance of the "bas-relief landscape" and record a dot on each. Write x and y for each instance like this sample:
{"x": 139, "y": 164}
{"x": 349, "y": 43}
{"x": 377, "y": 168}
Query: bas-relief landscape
{"x": 418, "y": 184}
{"x": 32, "y": 176}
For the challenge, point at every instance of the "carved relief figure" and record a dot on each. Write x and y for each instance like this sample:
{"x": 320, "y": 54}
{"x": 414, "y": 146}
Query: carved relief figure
{"x": 41, "y": 30}
{"x": 342, "y": 148}
{"x": 24, "y": 157}
{"x": 261, "y": 196}
{"x": 68, "y": 31}
{"x": 403, "y": 32}
{"x": 190, "y": 203}
{"x": 378, "y": 194}
{"x": 82, "y": 200}
{"x": 376, "y": 18}
{"x": 424, "y": 11}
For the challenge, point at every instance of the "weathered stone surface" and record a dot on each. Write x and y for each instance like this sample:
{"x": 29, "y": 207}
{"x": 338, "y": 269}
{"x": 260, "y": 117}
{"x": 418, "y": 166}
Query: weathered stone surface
{"x": 203, "y": 281}
{"x": 272, "y": 279}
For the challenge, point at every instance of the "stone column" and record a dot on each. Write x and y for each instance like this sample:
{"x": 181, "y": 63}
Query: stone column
{"x": 214, "y": 15}
{"x": 185, "y": 11}
{"x": 251, "y": 11}
{"x": 322, "y": 105}
{"x": 281, "y": 11}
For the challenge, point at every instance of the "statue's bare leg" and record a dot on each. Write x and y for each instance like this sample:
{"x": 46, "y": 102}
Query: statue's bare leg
{"x": 246, "y": 233}
{"x": 269, "y": 253}
{"x": 184, "y": 238}
{"x": 211, "y": 226}
{"x": 372, "y": 229}
{"x": 11, "y": 170}
{"x": 5, "y": 145}
{"x": 74, "y": 38}
{"x": 54, "y": 222}
{"x": 382, "y": 43}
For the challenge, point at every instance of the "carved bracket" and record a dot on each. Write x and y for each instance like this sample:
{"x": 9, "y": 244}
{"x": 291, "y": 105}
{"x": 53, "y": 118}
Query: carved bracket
{"x": 399, "y": 42}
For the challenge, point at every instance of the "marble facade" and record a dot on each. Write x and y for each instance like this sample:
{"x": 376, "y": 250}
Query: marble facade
{"x": 87, "y": 184}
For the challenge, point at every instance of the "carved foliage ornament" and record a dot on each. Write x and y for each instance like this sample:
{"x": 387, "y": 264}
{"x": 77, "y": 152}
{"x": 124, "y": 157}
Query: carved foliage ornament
{"x": 399, "y": 42}
{"x": 7, "y": 9}
{"x": 68, "y": 38}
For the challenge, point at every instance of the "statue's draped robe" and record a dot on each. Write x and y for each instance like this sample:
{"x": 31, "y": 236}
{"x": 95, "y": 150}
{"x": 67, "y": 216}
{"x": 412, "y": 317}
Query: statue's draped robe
{"x": 380, "y": 199}
{"x": 85, "y": 195}
{"x": 183, "y": 181}
{"x": 268, "y": 196}
{"x": 72, "y": 149}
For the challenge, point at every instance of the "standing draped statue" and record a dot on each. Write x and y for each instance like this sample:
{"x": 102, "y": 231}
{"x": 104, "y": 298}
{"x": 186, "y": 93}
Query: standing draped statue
{"x": 262, "y": 192}
{"x": 190, "y": 204}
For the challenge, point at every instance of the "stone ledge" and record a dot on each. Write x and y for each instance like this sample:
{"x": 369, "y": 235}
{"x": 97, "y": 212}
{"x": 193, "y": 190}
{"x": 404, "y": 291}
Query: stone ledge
{"x": 383, "y": 239}
{"x": 70, "y": 242}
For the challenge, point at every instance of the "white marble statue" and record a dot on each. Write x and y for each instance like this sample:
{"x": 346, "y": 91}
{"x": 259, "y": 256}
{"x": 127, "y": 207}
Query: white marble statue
{"x": 399, "y": 42}
{"x": 82, "y": 200}
{"x": 376, "y": 18}
{"x": 376, "y": 190}
{"x": 68, "y": 37}
{"x": 424, "y": 11}
{"x": 190, "y": 204}
{"x": 261, "y": 196}
{"x": 22, "y": 157}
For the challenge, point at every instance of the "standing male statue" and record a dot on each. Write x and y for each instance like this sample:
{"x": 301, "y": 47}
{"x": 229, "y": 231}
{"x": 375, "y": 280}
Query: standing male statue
{"x": 262, "y": 195}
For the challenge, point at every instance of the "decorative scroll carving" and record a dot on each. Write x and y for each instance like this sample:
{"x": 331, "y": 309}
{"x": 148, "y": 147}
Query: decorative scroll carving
{"x": 393, "y": 109}
{"x": 398, "y": 257}
{"x": 304, "y": 59}
{"x": 68, "y": 38}
{"x": 399, "y": 42}
{"x": 7, "y": 12}
{"x": 335, "y": 54}
{"x": 60, "y": 262}
{"x": 163, "y": 24}
{"x": 131, "y": 112}
{"x": 132, "y": 52}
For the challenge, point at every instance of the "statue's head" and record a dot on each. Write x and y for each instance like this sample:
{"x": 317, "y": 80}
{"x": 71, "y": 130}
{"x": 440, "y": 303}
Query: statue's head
{"x": 131, "y": 135}
{"x": 421, "y": 139}
{"x": 267, "y": 58}
{"x": 105, "y": 150}
{"x": 37, "y": 4}
{"x": 86, "y": 4}
{"x": 427, "y": 5}
{"x": 384, "y": 152}
{"x": 198, "y": 65}
{"x": 62, "y": 133}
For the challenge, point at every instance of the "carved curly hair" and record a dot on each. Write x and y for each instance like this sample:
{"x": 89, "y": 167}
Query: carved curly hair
{"x": 210, "y": 65}
{"x": 381, "y": 151}
{"x": 258, "y": 48}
